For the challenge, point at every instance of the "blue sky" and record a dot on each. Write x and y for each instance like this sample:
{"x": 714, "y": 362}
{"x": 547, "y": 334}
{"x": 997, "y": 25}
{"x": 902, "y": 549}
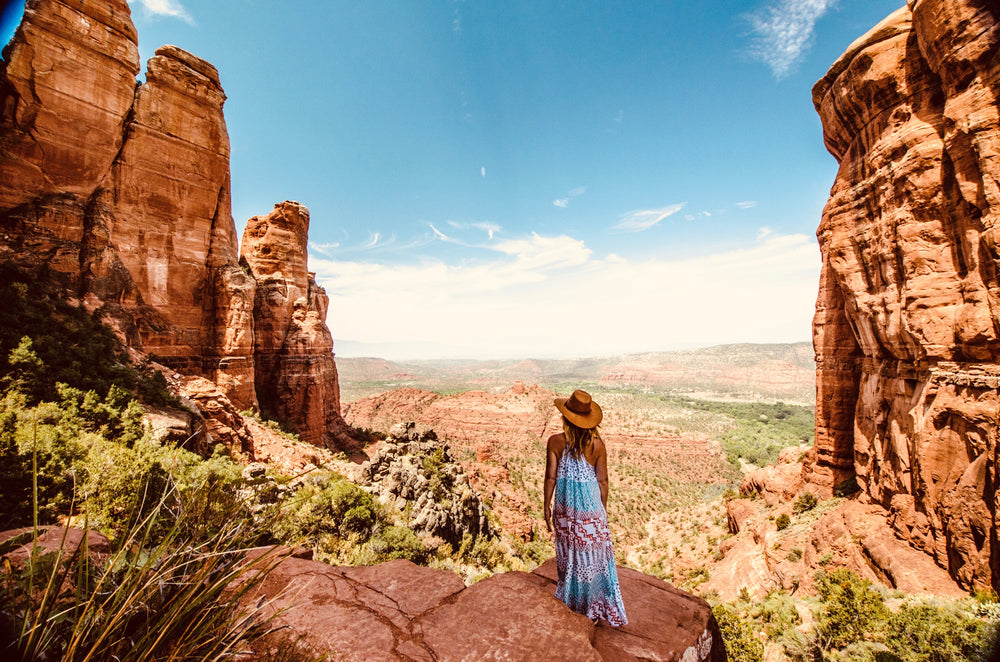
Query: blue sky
{"x": 534, "y": 178}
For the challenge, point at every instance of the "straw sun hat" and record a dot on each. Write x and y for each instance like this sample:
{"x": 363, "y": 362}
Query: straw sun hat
{"x": 580, "y": 410}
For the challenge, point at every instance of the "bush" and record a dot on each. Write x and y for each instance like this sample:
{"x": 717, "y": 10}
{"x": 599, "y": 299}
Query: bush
{"x": 358, "y": 520}
{"x": 738, "y": 636}
{"x": 783, "y": 521}
{"x": 777, "y": 613}
{"x": 331, "y": 515}
{"x": 928, "y": 633}
{"x": 45, "y": 341}
{"x": 852, "y": 607}
{"x": 806, "y": 501}
{"x": 396, "y": 542}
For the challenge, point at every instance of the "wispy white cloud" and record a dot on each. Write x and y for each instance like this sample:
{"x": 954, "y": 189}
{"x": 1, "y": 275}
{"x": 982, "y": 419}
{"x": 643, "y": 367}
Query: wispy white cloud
{"x": 573, "y": 193}
{"x": 484, "y": 226}
{"x": 170, "y": 8}
{"x": 619, "y": 116}
{"x": 644, "y": 219}
{"x": 488, "y": 228}
{"x": 456, "y": 21}
{"x": 523, "y": 298}
{"x": 373, "y": 242}
{"x": 482, "y": 171}
{"x": 764, "y": 232}
{"x": 783, "y": 32}
{"x": 747, "y": 204}
{"x": 324, "y": 248}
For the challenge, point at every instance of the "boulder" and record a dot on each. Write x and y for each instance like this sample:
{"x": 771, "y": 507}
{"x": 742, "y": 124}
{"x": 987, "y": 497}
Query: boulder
{"x": 398, "y": 610}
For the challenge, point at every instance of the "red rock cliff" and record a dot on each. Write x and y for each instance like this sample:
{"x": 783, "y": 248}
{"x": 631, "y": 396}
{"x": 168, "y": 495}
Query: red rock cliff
{"x": 119, "y": 192}
{"x": 906, "y": 326}
{"x": 293, "y": 348}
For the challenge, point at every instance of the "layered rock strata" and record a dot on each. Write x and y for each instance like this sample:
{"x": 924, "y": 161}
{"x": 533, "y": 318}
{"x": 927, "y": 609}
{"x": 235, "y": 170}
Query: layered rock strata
{"x": 293, "y": 350}
{"x": 119, "y": 192}
{"x": 906, "y": 328}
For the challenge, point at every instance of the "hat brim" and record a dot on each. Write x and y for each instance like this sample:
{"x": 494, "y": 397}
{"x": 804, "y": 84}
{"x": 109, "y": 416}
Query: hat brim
{"x": 591, "y": 420}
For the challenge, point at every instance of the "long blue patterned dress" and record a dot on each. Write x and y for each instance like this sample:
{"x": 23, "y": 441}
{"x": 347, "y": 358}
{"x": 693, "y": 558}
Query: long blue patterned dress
{"x": 588, "y": 580}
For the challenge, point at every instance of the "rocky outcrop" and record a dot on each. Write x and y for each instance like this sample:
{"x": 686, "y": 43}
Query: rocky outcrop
{"x": 293, "y": 350}
{"x": 760, "y": 557}
{"x": 906, "y": 327}
{"x": 399, "y": 611}
{"x": 777, "y": 482}
{"x": 410, "y": 468}
{"x": 222, "y": 423}
{"x": 119, "y": 192}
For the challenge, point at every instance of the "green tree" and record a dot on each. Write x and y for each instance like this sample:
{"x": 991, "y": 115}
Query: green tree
{"x": 738, "y": 636}
{"x": 852, "y": 608}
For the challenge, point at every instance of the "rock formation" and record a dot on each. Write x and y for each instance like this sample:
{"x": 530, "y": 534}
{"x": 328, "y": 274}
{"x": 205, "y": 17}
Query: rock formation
{"x": 120, "y": 194}
{"x": 906, "y": 327}
{"x": 293, "y": 349}
{"x": 414, "y": 468}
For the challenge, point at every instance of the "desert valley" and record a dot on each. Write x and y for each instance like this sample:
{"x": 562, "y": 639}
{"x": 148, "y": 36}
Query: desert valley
{"x": 188, "y": 471}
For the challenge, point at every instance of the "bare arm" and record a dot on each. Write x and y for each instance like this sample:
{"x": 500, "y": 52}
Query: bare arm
{"x": 601, "y": 468}
{"x": 551, "y": 469}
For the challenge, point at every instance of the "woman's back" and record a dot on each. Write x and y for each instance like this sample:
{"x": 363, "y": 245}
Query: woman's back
{"x": 576, "y": 475}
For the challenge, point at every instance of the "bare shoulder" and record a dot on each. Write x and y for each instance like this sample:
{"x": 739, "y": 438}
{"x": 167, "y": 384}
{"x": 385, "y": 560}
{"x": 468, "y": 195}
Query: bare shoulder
{"x": 596, "y": 451}
{"x": 557, "y": 443}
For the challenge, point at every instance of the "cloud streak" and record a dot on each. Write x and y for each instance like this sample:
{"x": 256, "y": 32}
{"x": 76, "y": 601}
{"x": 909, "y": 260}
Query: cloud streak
{"x": 783, "y": 32}
{"x": 170, "y": 8}
{"x": 574, "y": 193}
{"x": 644, "y": 219}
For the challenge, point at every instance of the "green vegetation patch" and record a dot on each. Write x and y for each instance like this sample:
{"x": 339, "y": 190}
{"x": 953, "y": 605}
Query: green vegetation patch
{"x": 45, "y": 341}
{"x": 853, "y": 623}
{"x": 760, "y": 430}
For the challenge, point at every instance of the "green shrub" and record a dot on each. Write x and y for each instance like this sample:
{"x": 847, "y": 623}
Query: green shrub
{"x": 806, "y": 501}
{"x": 783, "y": 521}
{"x": 346, "y": 497}
{"x": 358, "y": 520}
{"x": 331, "y": 515}
{"x": 738, "y": 636}
{"x": 852, "y": 608}
{"x": 396, "y": 542}
{"x": 45, "y": 341}
{"x": 931, "y": 633}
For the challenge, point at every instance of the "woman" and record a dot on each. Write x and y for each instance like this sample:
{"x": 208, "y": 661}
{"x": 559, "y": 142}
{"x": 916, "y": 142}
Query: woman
{"x": 576, "y": 472}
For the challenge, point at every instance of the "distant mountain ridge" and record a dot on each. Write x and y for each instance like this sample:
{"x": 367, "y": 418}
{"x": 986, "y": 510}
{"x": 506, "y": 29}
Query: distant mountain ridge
{"x": 766, "y": 371}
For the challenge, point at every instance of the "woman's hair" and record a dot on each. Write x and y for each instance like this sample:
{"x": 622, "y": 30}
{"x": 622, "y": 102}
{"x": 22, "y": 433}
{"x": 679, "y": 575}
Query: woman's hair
{"x": 579, "y": 439}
